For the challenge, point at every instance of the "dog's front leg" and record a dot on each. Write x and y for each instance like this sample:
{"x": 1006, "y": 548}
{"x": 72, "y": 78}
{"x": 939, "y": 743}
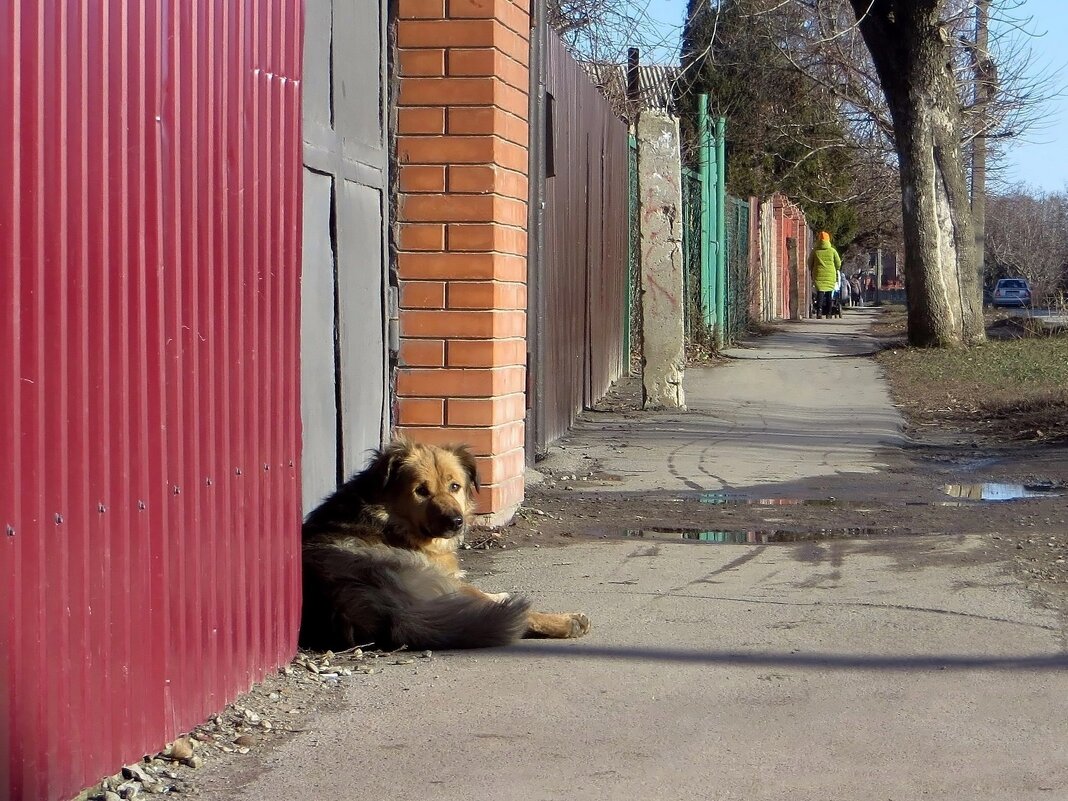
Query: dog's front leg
{"x": 564, "y": 626}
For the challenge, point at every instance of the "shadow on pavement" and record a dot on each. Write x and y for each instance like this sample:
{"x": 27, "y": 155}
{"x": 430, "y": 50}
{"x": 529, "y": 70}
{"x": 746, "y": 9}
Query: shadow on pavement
{"x": 1030, "y": 664}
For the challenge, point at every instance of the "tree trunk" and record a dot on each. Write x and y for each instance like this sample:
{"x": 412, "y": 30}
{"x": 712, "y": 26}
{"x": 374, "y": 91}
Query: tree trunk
{"x": 912, "y": 55}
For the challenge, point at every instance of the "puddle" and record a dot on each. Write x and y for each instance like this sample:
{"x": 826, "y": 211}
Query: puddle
{"x": 992, "y": 491}
{"x": 734, "y": 499}
{"x": 753, "y": 537}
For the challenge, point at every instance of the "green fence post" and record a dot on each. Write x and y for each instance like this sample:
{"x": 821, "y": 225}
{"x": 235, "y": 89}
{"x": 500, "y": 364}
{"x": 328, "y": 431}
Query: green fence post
{"x": 704, "y": 150}
{"x": 721, "y": 233}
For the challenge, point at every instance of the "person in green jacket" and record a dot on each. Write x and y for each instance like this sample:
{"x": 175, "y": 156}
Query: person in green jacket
{"x": 824, "y": 264}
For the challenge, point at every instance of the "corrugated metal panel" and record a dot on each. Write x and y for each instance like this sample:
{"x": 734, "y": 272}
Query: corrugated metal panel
{"x": 583, "y": 269}
{"x": 149, "y": 311}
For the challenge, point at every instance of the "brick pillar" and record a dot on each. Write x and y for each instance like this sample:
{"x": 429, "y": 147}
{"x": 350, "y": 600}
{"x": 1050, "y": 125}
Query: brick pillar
{"x": 462, "y": 211}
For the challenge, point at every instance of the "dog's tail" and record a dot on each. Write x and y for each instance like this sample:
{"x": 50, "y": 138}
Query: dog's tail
{"x": 392, "y": 598}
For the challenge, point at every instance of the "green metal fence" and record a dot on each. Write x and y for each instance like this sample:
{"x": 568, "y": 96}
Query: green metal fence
{"x": 737, "y": 268}
{"x": 696, "y": 330}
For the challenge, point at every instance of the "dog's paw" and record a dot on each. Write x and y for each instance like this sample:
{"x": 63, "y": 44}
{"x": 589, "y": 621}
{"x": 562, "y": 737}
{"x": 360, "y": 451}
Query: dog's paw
{"x": 580, "y": 625}
{"x": 499, "y": 597}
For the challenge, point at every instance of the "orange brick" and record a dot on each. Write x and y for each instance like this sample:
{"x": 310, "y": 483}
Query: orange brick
{"x": 480, "y": 324}
{"x": 482, "y": 441}
{"x": 500, "y": 498}
{"x": 508, "y": 13}
{"x": 447, "y": 150}
{"x": 501, "y": 266}
{"x": 486, "y": 295}
{"x": 462, "y": 208}
{"x": 421, "y": 121}
{"x": 454, "y": 33}
{"x": 486, "y": 178}
{"x": 488, "y": 120}
{"x": 486, "y": 237}
{"x": 500, "y": 467}
{"x": 430, "y": 62}
{"x": 474, "y": 61}
{"x": 420, "y": 411}
{"x": 420, "y": 178}
{"x": 421, "y": 9}
{"x": 422, "y": 294}
{"x": 447, "y": 91}
{"x": 486, "y": 352}
{"x": 511, "y": 99}
{"x": 510, "y": 156}
{"x": 444, "y": 382}
{"x": 421, "y": 236}
{"x": 485, "y": 411}
{"x": 422, "y": 352}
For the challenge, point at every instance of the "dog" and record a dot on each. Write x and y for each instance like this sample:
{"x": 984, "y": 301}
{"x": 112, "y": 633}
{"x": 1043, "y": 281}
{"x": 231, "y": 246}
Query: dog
{"x": 380, "y": 565}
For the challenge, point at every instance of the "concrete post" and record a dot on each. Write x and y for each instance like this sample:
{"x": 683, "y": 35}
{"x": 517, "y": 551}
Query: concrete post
{"x": 663, "y": 298}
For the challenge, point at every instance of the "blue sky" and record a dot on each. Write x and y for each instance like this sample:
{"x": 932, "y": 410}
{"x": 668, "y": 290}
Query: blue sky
{"x": 1041, "y": 158}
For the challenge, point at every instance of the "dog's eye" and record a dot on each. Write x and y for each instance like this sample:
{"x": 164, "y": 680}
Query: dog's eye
{"x": 423, "y": 491}
{"x": 454, "y": 487}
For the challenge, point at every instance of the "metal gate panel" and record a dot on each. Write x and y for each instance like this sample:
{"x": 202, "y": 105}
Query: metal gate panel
{"x": 317, "y": 358}
{"x": 361, "y": 257}
{"x": 583, "y": 268}
{"x": 149, "y": 285}
{"x": 346, "y": 408}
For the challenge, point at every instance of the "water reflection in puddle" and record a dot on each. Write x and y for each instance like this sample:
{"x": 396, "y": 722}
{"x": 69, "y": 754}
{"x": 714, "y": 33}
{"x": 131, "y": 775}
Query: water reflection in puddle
{"x": 762, "y": 537}
{"x": 735, "y": 499}
{"x": 992, "y": 491}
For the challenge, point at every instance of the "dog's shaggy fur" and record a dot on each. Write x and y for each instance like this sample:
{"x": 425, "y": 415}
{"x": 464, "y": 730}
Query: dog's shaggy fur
{"x": 380, "y": 562}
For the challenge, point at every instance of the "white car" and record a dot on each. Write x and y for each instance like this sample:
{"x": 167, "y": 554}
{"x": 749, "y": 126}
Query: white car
{"x": 1012, "y": 292}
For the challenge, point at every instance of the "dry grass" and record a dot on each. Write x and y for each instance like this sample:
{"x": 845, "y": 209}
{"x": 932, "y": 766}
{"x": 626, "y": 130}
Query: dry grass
{"x": 1009, "y": 389}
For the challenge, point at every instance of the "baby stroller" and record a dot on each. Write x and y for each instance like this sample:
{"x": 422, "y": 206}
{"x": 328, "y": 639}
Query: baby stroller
{"x": 836, "y": 303}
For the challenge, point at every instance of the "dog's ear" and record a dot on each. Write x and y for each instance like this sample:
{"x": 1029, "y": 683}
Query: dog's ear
{"x": 388, "y": 460}
{"x": 467, "y": 462}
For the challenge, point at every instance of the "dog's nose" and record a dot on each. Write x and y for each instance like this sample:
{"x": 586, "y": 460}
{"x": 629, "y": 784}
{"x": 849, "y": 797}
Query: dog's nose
{"x": 457, "y": 521}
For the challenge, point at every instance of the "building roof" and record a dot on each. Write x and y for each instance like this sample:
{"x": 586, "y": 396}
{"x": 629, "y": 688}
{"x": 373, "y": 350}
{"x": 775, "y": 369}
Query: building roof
{"x": 656, "y": 85}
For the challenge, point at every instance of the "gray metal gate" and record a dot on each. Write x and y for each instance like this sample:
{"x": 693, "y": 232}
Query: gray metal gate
{"x": 345, "y": 361}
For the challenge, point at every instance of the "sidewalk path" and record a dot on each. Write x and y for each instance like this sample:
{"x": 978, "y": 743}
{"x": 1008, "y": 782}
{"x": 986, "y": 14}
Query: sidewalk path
{"x": 793, "y": 405}
{"x": 878, "y": 670}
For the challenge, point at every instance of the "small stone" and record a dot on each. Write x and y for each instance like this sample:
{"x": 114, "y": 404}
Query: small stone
{"x": 136, "y": 772}
{"x": 274, "y": 697}
{"x": 251, "y": 716}
{"x": 266, "y": 725}
{"x": 287, "y": 670}
{"x": 314, "y": 668}
{"x": 180, "y": 749}
{"x": 426, "y": 654}
{"x": 244, "y": 741}
{"x": 129, "y": 789}
{"x": 195, "y": 761}
{"x": 243, "y": 750}
{"x": 345, "y": 671}
{"x": 403, "y": 661}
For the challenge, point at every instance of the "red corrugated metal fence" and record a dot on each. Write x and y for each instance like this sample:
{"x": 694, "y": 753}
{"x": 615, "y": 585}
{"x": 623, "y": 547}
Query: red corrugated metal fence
{"x": 149, "y": 412}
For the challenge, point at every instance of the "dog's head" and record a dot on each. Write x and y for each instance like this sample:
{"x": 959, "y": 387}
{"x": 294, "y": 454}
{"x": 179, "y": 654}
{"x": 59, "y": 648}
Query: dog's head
{"x": 429, "y": 490}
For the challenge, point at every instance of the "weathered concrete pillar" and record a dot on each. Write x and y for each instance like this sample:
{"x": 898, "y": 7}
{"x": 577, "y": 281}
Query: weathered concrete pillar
{"x": 663, "y": 296}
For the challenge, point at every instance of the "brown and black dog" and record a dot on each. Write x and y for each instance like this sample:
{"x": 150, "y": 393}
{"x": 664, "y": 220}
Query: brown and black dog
{"x": 380, "y": 562}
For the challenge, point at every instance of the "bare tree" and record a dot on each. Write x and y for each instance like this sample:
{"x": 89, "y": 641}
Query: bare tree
{"x": 1027, "y": 237}
{"x": 932, "y": 89}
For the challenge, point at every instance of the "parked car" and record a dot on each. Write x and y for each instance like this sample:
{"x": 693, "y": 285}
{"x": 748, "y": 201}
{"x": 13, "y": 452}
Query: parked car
{"x": 1012, "y": 292}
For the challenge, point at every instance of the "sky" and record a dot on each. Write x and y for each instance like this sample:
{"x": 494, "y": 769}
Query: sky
{"x": 1040, "y": 159}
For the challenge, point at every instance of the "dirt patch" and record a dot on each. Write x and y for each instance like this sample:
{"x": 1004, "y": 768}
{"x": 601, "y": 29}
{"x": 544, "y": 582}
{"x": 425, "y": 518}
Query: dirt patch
{"x": 227, "y": 745}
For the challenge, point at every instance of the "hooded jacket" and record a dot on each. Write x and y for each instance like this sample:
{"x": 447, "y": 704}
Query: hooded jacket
{"x": 824, "y": 264}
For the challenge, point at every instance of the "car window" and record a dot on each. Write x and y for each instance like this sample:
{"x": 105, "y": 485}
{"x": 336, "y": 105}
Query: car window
{"x": 1010, "y": 284}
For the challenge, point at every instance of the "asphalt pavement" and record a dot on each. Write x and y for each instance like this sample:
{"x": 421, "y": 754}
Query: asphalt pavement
{"x": 871, "y": 670}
